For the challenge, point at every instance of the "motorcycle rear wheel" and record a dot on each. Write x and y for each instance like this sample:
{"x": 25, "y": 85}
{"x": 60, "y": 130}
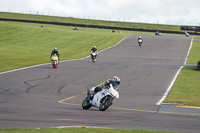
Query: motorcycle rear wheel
{"x": 86, "y": 104}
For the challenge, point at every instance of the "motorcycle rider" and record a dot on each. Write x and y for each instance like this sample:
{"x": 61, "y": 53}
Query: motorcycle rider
{"x": 106, "y": 85}
{"x": 140, "y": 40}
{"x": 94, "y": 49}
{"x": 55, "y": 51}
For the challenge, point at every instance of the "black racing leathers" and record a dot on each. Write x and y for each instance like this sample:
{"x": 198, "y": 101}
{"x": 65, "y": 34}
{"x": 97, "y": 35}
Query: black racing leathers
{"x": 94, "y": 50}
{"x": 55, "y": 52}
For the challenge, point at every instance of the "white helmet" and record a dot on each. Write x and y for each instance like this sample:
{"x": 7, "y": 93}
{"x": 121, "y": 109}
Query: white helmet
{"x": 116, "y": 79}
{"x": 140, "y": 36}
{"x": 55, "y": 49}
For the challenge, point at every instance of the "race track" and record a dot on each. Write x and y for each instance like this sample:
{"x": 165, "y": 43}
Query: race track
{"x": 42, "y": 96}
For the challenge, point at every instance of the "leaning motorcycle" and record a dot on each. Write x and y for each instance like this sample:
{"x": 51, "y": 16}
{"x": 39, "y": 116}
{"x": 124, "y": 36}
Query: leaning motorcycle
{"x": 187, "y": 34}
{"x": 102, "y": 99}
{"x": 94, "y": 56}
{"x": 140, "y": 42}
{"x": 54, "y": 60}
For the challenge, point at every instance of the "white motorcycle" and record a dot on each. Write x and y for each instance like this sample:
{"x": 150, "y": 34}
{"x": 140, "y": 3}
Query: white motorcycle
{"x": 94, "y": 56}
{"x": 102, "y": 99}
{"x": 158, "y": 33}
{"x": 187, "y": 34}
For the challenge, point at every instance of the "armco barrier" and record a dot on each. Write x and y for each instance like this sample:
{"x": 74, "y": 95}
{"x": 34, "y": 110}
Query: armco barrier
{"x": 97, "y": 26}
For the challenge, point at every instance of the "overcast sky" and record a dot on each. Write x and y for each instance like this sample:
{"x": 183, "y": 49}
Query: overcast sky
{"x": 177, "y": 12}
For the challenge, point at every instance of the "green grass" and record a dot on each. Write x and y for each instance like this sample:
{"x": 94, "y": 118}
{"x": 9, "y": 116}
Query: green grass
{"x": 186, "y": 89}
{"x": 89, "y": 22}
{"x": 194, "y": 53}
{"x": 78, "y": 130}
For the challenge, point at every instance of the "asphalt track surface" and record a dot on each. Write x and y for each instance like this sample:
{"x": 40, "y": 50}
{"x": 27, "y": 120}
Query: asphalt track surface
{"x": 45, "y": 97}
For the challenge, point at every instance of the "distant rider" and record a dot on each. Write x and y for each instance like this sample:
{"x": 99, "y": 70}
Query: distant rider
{"x": 140, "y": 38}
{"x": 106, "y": 85}
{"x": 94, "y": 49}
{"x": 55, "y": 51}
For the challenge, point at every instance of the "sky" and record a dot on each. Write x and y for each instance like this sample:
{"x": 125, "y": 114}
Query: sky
{"x": 173, "y": 12}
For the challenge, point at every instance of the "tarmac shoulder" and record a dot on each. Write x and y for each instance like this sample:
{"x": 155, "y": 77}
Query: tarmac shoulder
{"x": 179, "y": 109}
{"x": 196, "y": 40}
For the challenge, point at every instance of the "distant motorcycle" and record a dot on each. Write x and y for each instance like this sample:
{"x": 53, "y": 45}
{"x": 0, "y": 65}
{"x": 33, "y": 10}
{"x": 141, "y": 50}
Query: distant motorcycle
{"x": 54, "y": 60}
{"x": 187, "y": 34}
{"x": 102, "y": 99}
{"x": 140, "y": 42}
{"x": 158, "y": 33}
{"x": 94, "y": 56}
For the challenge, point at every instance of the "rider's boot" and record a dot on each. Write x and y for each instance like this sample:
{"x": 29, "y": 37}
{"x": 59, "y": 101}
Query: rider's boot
{"x": 88, "y": 92}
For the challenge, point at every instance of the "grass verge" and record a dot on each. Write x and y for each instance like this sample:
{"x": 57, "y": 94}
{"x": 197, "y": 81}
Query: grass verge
{"x": 194, "y": 53}
{"x": 186, "y": 89}
{"x": 78, "y": 130}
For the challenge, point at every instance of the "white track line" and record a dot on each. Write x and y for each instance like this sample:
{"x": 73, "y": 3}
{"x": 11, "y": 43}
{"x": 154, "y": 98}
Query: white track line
{"x": 174, "y": 79}
{"x": 60, "y": 61}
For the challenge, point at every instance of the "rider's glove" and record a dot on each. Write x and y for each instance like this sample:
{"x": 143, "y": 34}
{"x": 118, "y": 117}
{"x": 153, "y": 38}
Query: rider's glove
{"x": 108, "y": 81}
{"x": 104, "y": 87}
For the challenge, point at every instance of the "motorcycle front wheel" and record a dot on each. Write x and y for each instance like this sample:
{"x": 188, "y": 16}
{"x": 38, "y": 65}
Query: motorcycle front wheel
{"x": 86, "y": 104}
{"x": 54, "y": 66}
{"x": 105, "y": 103}
{"x": 93, "y": 59}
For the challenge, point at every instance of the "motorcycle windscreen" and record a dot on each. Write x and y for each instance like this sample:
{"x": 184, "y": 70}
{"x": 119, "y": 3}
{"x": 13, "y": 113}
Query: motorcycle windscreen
{"x": 114, "y": 92}
{"x": 54, "y": 57}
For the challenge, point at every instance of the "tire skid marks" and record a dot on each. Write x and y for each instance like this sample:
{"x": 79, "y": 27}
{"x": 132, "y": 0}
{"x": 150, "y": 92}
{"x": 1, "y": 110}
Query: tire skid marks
{"x": 5, "y": 90}
{"x": 30, "y": 86}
